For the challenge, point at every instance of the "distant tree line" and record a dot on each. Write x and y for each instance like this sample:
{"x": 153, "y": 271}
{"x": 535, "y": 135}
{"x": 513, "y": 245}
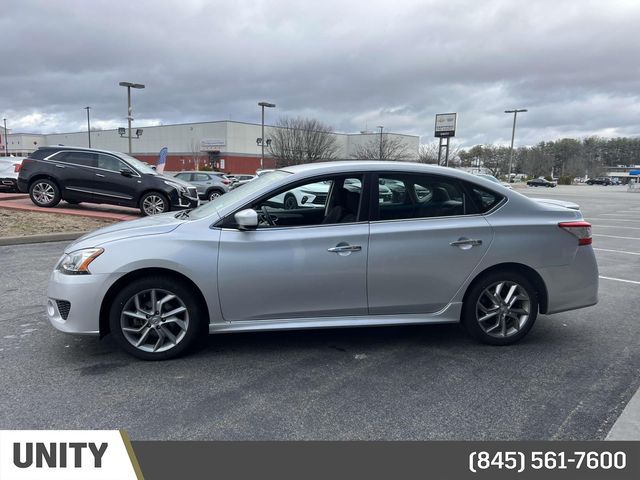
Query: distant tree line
{"x": 567, "y": 157}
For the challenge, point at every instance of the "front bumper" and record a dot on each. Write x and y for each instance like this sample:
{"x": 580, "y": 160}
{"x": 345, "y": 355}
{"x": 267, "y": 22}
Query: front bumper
{"x": 84, "y": 294}
{"x": 180, "y": 201}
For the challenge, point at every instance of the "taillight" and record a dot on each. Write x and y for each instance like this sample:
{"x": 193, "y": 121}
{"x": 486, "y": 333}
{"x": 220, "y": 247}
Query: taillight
{"x": 17, "y": 167}
{"x": 226, "y": 182}
{"x": 579, "y": 229}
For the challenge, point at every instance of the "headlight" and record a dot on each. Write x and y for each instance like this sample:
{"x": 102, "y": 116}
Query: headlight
{"x": 179, "y": 187}
{"x": 77, "y": 263}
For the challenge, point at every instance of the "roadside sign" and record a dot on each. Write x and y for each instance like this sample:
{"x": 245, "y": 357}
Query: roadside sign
{"x": 445, "y": 125}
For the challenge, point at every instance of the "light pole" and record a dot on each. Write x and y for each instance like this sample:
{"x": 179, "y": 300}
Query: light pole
{"x": 6, "y": 143}
{"x": 129, "y": 86}
{"x": 513, "y": 135}
{"x": 380, "y": 127}
{"x": 88, "y": 125}
{"x": 263, "y": 105}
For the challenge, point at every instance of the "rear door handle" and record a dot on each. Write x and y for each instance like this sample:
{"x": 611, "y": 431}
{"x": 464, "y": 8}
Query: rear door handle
{"x": 99, "y": 175}
{"x": 60, "y": 166}
{"x": 343, "y": 248}
{"x": 461, "y": 242}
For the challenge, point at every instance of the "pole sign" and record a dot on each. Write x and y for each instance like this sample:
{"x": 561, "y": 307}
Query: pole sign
{"x": 445, "y": 125}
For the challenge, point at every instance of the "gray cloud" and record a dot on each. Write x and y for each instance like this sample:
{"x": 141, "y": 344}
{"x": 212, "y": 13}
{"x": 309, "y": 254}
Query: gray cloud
{"x": 350, "y": 64}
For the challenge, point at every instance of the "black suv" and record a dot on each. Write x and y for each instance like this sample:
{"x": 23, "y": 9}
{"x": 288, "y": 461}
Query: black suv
{"x": 599, "y": 181}
{"x": 99, "y": 176}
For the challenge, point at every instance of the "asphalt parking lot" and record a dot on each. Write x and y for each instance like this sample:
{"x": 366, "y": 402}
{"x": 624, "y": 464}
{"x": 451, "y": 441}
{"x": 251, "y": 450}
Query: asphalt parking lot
{"x": 569, "y": 379}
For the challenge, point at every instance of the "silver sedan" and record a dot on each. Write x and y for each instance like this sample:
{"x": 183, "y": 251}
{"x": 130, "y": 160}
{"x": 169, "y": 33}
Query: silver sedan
{"x": 446, "y": 247}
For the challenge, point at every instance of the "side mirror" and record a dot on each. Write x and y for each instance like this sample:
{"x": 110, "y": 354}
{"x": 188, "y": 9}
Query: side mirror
{"x": 247, "y": 219}
{"x": 125, "y": 172}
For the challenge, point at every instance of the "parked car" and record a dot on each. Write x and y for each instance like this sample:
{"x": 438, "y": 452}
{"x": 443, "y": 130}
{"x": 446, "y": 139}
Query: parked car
{"x": 75, "y": 175}
{"x": 209, "y": 185}
{"x": 467, "y": 252}
{"x": 599, "y": 181}
{"x": 541, "y": 182}
{"x": 241, "y": 180}
{"x": 9, "y": 168}
{"x": 495, "y": 180}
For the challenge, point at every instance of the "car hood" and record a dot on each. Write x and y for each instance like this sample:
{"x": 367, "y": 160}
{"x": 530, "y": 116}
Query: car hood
{"x": 560, "y": 203}
{"x": 153, "y": 225}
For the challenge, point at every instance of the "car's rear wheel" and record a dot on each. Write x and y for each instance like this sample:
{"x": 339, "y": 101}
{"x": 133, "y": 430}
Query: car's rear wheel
{"x": 500, "y": 308}
{"x": 213, "y": 194}
{"x": 44, "y": 193}
{"x": 153, "y": 203}
{"x": 156, "y": 318}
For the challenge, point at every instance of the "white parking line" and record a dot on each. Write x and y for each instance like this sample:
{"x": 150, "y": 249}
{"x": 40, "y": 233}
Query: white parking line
{"x": 617, "y": 214}
{"x": 616, "y": 226}
{"x": 620, "y": 280}
{"x": 614, "y": 236}
{"x": 616, "y": 251}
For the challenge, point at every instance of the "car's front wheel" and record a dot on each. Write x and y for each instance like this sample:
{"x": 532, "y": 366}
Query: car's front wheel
{"x": 500, "y": 308}
{"x": 156, "y": 318}
{"x": 45, "y": 193}
{"x": 153, "y": 203}
{"x": 290, "y": 202}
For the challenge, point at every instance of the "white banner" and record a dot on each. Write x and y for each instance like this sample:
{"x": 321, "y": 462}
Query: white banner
{"x": 66, "y": 455}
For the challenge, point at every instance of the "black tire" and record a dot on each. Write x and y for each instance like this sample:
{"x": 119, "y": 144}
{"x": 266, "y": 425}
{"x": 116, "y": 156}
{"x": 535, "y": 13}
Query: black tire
{"x": 44, "y": 193}
{"x": 290, "y": 202}
{"x": 149, "y": 199}
{"x": 196, "y": 324}
{"x": 514, "y": 332}
{"x": 214, "y": 193}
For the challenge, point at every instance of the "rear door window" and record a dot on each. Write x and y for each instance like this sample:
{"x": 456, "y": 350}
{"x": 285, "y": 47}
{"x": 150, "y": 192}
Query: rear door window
{"x": 85, "y": 159}
{"x": 408, "y": 196}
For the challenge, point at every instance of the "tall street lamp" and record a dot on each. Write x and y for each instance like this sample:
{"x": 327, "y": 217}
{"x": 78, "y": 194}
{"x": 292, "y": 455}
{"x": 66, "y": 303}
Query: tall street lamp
{"x": 513, "y": 135}
{"x": 6, "y": 142}
{"x": 88, "y": 125}
{"x": 380, "y": 127}
{"x": 263, "y": 105}
{"x": 129, "y": 86}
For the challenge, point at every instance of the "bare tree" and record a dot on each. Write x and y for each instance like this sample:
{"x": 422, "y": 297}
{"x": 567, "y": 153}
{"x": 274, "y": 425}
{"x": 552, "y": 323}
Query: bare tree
{"x": 302, "y": 140}
{"x": 391, "y": 148}
{"x": 428, "y": 153}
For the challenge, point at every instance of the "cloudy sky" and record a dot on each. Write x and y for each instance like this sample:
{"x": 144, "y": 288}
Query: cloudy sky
{"x": 352, "y": 64}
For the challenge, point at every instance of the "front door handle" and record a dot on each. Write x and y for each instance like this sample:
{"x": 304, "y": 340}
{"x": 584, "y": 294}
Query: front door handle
{"x": 99, "y": 175}
{"x": 344, "y": 249}
{"x": 466, "y": 242}
{"x": 60, "y": 166}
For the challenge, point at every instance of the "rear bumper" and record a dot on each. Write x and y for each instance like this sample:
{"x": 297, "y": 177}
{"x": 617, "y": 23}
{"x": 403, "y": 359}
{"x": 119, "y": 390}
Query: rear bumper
{"x": 9, "y": 182}
{"x": 572, "y": 286}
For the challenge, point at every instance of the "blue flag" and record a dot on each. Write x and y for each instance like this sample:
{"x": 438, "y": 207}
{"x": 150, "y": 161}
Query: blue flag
{"x": 162, "y": 160}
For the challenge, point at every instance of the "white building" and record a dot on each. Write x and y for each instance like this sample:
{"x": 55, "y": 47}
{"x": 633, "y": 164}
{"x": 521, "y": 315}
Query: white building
{"x": 228, "y": 145}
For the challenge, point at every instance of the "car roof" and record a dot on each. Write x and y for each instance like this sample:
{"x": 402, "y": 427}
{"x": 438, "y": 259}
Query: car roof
{"x": 84, "y": 149}
{"x": 346, "y": 166}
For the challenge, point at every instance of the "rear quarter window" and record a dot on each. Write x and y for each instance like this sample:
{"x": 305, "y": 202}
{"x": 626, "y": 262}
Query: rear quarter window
{"x": 42, "y": 153}
{"x": 484, "y": 199}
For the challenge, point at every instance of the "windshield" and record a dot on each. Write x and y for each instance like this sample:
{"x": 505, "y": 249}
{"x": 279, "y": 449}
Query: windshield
{"x": 137, "y": 164}
{"x": 239, "y": 193}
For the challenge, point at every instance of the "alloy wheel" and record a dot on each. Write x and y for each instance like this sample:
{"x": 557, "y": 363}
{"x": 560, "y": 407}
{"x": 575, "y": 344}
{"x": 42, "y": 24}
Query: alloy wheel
{"x": 503, "y": 309}
{"x": 154, "y": 320}
{"x": 153, "y": 204}
{"x": 43, "y": 193}
{"x": 214, "y": 195}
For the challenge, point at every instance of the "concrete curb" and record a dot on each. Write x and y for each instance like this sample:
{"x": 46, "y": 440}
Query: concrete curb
{"x": 627, "y": 427}
{"x": 50, "y": 237}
